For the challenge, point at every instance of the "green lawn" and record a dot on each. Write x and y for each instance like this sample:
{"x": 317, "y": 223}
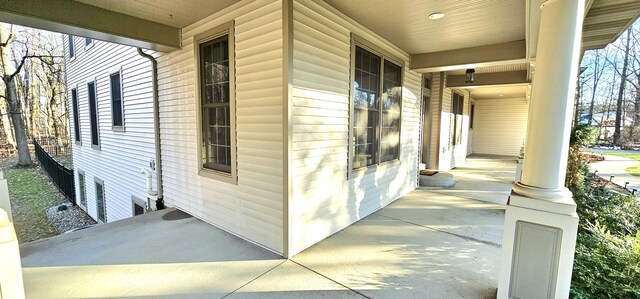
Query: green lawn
{"x": 31, "y": 194}
{"x": 633, "y": 170}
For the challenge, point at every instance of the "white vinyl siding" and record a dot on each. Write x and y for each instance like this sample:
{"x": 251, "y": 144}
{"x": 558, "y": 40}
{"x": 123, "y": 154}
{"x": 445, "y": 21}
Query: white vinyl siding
{"x": 500, "y": 126}
{"x": 324, "y": 201}
{"x": 121, "y": 154}
{"x": 252, "y": 209}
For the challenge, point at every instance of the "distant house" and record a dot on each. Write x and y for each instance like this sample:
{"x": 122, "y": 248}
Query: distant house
{"x": 111, "y": 123}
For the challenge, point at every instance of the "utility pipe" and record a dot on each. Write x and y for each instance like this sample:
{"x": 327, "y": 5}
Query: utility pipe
{"x": 156, "y": 126}
{"x": 148, "y": 176}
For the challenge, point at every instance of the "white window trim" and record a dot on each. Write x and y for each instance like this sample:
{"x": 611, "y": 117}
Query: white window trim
{"x": 357, "y": 41}
{"x": 79, "y": 201}
{"x": 226, "y": 29}
{"x": 112, "y": 71}
{"x": 77, "y": 108}
{"x": 97, "y": 181}
{"x": 95, "y": 87}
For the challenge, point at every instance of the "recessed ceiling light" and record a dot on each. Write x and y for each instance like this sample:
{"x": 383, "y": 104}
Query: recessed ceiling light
{"x": 436, "y": 16}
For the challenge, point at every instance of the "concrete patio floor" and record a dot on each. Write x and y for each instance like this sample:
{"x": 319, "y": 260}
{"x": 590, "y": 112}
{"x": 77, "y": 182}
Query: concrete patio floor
{"x": 428, "y": 244}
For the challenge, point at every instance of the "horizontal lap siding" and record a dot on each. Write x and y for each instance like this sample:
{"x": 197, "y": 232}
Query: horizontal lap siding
{"x": 121, "y": 154}
{"x": 324, "y": 201}
{"x": 500, "y": 126}
{"x": 436, "y": 103}
{"x": 253, "y": 208}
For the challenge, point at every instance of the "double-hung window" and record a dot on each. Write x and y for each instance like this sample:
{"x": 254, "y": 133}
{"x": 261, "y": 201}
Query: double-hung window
{"x": 117, "y": 105}
{"x": 376, "y": 104}
{"x": 217, "y": 153}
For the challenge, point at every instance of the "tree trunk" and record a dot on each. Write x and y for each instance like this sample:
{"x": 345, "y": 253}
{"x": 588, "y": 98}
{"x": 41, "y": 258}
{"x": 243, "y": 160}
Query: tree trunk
{"x": 15, "y": 111}
{"x": 6, "y": 124}
{"x": 576, "y": 118}
{"x": 623, "y": 79}
{"x": 54, "y": 115}
{"x": 598, "y": 69}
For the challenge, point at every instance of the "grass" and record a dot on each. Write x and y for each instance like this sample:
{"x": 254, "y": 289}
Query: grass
{"x": 632, "y": 170}
{"x": 32, "y": 193}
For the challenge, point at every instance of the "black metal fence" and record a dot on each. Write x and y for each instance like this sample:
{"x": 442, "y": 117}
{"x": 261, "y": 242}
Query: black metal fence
{"x": 60, "y": 176}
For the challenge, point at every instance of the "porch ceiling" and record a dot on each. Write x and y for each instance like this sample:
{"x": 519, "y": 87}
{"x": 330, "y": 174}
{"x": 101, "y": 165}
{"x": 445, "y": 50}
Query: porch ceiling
{"x": 172, "y": 13}
{"x": 499, "y": 91}
{"x": 469, "y": 24}
{"x": 466, "y": 24}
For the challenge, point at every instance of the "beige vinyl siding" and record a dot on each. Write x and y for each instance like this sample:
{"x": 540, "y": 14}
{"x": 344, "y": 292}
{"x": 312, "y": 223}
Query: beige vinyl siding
{"x": 324, "y": 201}
{"x": 121, "y": 154}
{"x": 252, "y": 209}
{"x": 460, "y": 151}
{"x": 500, "y": 126}
{"x": 452, "y": 156}
{"x": 436, "y": 104}
{"x": 444, "y": 148}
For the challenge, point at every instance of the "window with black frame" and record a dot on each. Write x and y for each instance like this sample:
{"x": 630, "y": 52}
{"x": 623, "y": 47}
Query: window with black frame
{"x": 72, "y": 48}
{"x": 117, "y": 111}
{"x": 93, "y": 113}
{"x": 76, "y": 114}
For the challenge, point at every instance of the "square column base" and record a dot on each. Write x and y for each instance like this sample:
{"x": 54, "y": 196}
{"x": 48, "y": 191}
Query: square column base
{"x": 11, "y": 285}
{"x": 537, "y": 248}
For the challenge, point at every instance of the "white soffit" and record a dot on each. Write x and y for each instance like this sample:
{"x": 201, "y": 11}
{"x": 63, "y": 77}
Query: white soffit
{"x": 499, "y": 91}
{"x": 493, "y": 69}
{"x": 466, "y": 24}
{"x": 606, "y": 20}
{"x": 174, "y": 13}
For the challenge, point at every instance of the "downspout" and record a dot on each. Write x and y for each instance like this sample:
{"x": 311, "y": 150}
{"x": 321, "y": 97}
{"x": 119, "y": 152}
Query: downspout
{"x": 156, "y": 127}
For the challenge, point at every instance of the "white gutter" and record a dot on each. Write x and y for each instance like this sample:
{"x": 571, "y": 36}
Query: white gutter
{"x": 156, "y": 127}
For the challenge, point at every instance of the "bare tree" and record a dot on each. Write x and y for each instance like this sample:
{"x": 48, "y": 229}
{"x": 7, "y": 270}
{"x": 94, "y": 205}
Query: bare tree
{"x": 623, "y": 76}
{"x": 14, "y": 54}
{"x": 599, "y": 65}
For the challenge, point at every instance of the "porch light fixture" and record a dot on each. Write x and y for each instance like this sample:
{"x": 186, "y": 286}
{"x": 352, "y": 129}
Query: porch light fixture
{"x": 470, "y": 76}
{"x": 436, "y": 16}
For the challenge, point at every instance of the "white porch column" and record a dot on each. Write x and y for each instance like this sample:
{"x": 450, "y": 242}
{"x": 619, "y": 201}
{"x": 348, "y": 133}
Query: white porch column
{"x": 541, "y": 221}
{"x": 11, "y": 285}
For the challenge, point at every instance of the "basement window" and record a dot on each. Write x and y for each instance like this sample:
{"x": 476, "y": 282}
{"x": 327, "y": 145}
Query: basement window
{"x": 101, "y": 203}
{"x": 138, "y": 206}
{"x": 217, "y": 154}
{"x": 82, "y": 188}
{"x": 376, "y": 102}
